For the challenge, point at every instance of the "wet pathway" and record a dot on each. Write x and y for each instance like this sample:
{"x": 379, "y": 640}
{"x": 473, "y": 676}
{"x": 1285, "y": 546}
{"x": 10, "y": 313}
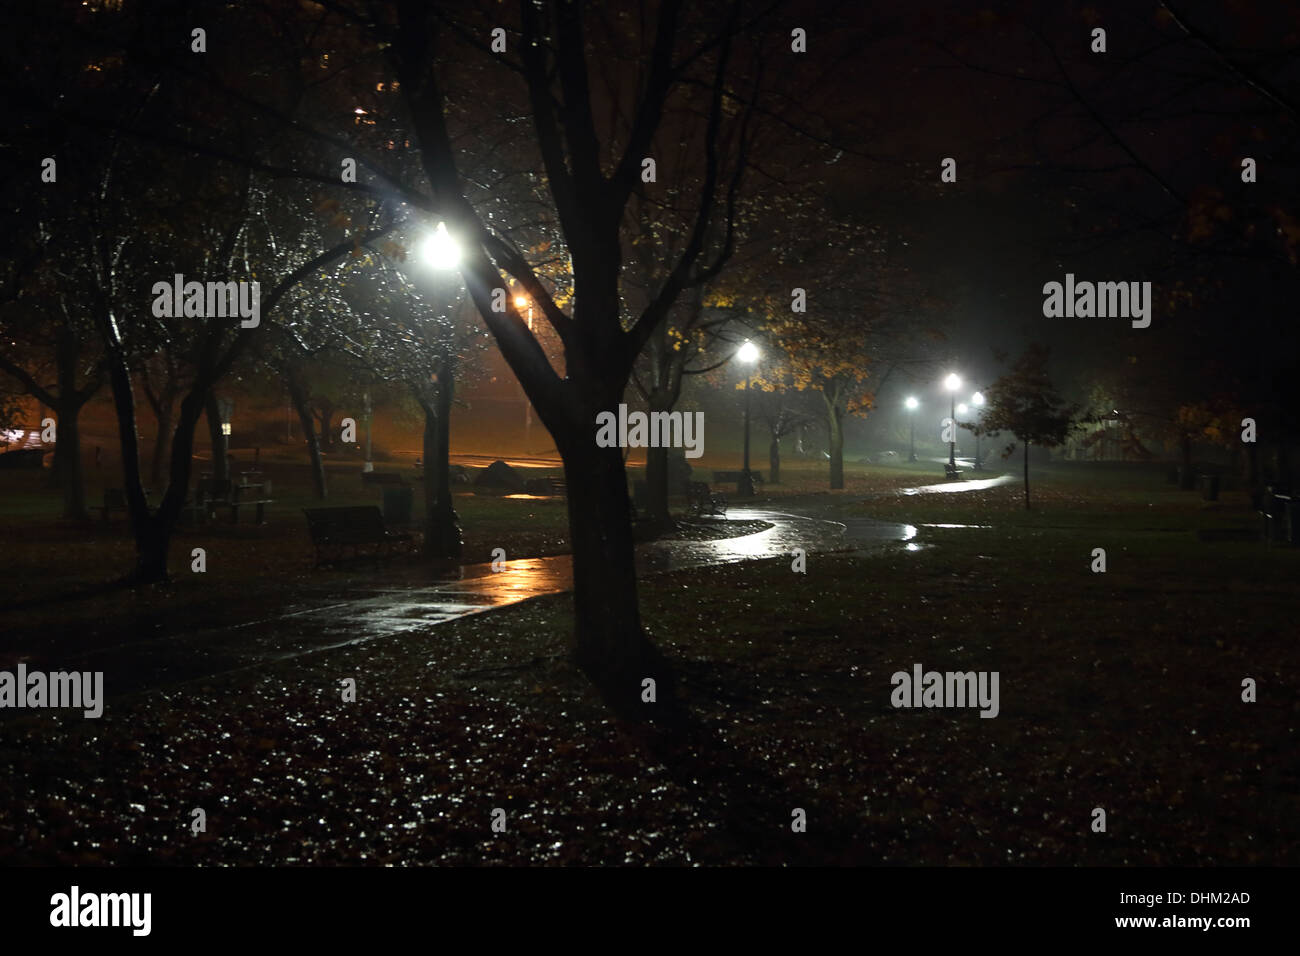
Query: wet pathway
{"x": 368, "y": 611}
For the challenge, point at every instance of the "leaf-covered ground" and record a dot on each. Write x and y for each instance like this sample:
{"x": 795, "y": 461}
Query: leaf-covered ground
{"x": 1119, "y": 690}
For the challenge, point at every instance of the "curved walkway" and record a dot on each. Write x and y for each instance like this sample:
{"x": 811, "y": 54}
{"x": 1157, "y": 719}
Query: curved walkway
{"x": 371, "y": 611}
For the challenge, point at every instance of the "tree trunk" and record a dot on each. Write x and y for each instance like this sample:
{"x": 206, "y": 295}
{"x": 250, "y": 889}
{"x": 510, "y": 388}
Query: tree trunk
{"x": 162, "y": 440}
{"x": 774, "y": 460}
{"x": 298, "y": 398}
{"x": 68, "y": 469}
{"x": 220, "y": 463}
{"x": 326, "y": 415}
{"x": 611, "y": 646}
{"x": 1026, "y": 476}
{"x": 1187, "y": 480}
{"x": 835, "y": 422}
{"x": 72, "y": 477}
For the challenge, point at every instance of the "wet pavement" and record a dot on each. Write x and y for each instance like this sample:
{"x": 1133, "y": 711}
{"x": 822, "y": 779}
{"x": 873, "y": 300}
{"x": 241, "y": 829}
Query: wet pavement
{"x": 365, "y": 612}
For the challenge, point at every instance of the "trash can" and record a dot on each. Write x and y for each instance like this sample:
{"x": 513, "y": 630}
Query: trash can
{"x": 1210, "y": 487}
{"x": 398, "y": 504}
{"x": 1291, "y": 521}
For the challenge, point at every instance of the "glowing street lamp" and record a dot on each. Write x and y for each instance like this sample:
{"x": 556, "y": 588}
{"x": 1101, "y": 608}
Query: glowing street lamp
{"x": 440, "y": 250}
{"x": 912, "y": 405}
{"x": 747, "y": 353}
{"x": 952, "y": 383}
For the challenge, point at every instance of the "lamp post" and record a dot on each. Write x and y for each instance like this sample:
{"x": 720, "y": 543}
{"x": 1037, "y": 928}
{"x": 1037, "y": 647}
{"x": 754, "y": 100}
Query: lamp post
{"x": 977, "y": 400}
{"x": 912, "y": 405}
{"x": 442, "y": 536}
{"x": 520, "y": 302}
{"x": 952, "y": 383}
{"x": 747, "y": 353}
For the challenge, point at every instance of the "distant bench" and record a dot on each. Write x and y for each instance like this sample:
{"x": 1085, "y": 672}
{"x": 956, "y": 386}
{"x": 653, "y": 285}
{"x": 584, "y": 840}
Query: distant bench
{"x": 556, "y": 487}
{"x": 729, "y": 477}
{"x": 214, "y": 493}
{"x": 360, "y": 530}
{"x": 382, "y": 478}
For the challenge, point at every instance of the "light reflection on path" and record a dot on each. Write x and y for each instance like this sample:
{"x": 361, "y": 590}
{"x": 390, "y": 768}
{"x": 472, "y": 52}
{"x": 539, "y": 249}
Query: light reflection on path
{"x": 948, "y": 487}
{"x": 371, "y": 611}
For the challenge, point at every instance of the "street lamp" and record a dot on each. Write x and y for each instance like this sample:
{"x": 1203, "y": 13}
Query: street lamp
{"x": 977, "y": 400}
{"x": 747, "y": 353}
{"x": 952, "y": 383}
{"x": 912, "y": 405}
{"x": 440, "y": 249}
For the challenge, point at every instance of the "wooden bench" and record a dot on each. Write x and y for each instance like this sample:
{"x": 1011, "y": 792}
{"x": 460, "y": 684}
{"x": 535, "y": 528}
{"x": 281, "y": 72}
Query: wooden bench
{"x": 237, "y": 501}
{"x": 359, "y": 530}
{"x": 382, "y": 478}
{"x": 701, "y": 501}
{"x": 730, "y": 477}
{"x": 950, "y": 470}
{"x": 554, "y": 487}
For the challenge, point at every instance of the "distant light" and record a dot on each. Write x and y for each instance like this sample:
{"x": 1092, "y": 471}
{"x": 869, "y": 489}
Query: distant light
{"x": 952, "y": 382}
{"x": 225, "y": 429}
{"x": 912, "y": 404}
{"x": 359, "y": 111}
{"x": 440, "y": 250}
{"x": 521, "y": 301}
{"x": 962, "y": 409}
{"x": 978, "y": 398}
{"x": 748, "y": 353}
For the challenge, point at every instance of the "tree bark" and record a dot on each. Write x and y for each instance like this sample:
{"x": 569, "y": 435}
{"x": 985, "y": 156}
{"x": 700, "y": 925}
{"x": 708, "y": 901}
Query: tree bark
{"x": 220, "y": 463}
{"x": 835, "y": 423}
{"x": 298, "y": 398}
{"x": 611, "y": 645}
{"x": 68, "y": 468}
{"x": 774, "y": 460}
{"x": 71, "y": 469}
{"x": 1027, "y": 476}
{"x": 164, "y": 411}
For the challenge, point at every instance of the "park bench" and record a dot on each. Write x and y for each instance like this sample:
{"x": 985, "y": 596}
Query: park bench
{"x": 262, "y": 490}
{"x": 950, "y": 470}
{"x": 701, "y": 501}
{"x": 360, "y": 530}
{"x": 542, "y": 487}
{"x": 729, "y": 477}
{"x": 382, "y": 478}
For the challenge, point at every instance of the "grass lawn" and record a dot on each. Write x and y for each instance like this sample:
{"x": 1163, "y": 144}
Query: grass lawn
{"x": 1119, "y": 690}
